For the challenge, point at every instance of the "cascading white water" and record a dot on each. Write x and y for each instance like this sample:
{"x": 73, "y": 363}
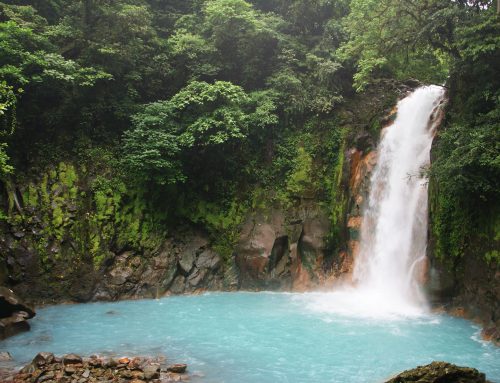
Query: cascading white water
{"x": 394, "y": 228}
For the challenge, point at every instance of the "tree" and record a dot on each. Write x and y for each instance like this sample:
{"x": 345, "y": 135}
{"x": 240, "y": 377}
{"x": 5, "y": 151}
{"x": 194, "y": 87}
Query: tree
{"x": 191, "y": 130}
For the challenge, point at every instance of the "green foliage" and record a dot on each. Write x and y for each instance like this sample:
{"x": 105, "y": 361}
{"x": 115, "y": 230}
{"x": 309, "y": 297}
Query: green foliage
{"x": 217, "y": 101}
{"x": 469, "y": 161}
{"x": 5, "y": 168}
{"x": 402, "y": 39}
{"x": 465, "y": 174}
{"x": 199, "y": 119}
{"x": 222, "y": 222}
{"x": 152, "y": 155}
{"x": 299, "y": 178}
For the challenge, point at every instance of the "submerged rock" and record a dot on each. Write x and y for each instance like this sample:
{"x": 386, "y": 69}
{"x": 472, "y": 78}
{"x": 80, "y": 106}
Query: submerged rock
{"x": 440, "y": 372}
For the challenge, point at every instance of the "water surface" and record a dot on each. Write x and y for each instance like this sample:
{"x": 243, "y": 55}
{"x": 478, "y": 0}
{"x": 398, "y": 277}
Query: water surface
{"x": 257, "y": 338}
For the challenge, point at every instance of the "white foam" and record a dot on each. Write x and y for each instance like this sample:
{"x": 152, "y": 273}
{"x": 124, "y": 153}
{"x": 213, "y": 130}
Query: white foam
{"x": 394, "y": 229}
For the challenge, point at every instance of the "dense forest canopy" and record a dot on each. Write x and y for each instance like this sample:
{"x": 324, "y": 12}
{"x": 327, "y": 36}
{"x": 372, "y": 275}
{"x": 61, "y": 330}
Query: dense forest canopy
{"x": 208, "y": 98}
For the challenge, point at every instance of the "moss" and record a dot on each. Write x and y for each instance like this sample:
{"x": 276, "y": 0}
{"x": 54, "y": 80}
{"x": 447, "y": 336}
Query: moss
{"x": 222, "y": 222}
{"x": 492, "y": 257}
{"x": 299, "y": 179}
{"x": 31, "y": 197}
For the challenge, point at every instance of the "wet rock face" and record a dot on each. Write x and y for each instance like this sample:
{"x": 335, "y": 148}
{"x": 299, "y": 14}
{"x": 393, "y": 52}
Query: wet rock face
{"x": 283, "y": 251}
{"x": 440, "y": 372}
{"x": 183, "y": 265}
{"x": 48, "y": 368}
{"x": 14, "y": 314}
{"x": 470, "y": 292}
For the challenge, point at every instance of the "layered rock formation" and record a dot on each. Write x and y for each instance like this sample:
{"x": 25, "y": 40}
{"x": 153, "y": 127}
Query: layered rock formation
{"x": 283, "y": 251}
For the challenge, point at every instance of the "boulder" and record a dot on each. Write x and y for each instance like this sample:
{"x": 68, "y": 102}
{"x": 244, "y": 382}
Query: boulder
{"x": 178, "y": 285}
{"x": 208, "y": 260}
{"x": 5, "y": 356}
{"x": 120, "y": 275}
{"x": 152, "y": 371}
{"x": 177, "y": 368}
{"x": 10, "y": 303}
{"x": 440, "y": 372}
{"x": 72, "y": 359}
{"x": 13, "y": 314}
{"x": 43, "y": 358}
{"x": 186, "y": 261}
{"x": 196, "y": 277}
{"x": 187, "y": 256}
{"x": 253, "y": 250}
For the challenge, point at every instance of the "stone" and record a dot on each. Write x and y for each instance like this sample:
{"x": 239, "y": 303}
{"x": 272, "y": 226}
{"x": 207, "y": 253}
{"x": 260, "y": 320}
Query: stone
{"x": 13, "y": 325}
{"x": 43, "y": 358}
{"x": 177, "y": 368}
{"x": 13, "y": 314}
{"x": 86, "y": 373}
{"x": 178, "y": 285}
{"x": 28, "y": 369}
{"x": 196, "y": 277}
{"x": 136, "y": 261}
{"x": 440, "y": 372}
{"x": 72, "y": 359}
{"x": 187, "y": 260}
{"x": 253, "y": 250}
{"x": 209, "y": 260}
{"x": 120, "y": 275}
{"x": 136, "y": 374}
{"x": 124, "y": 360}
{"x": 152, "y": 371}
{"x": 5, "y": 356}
{"x": 111, "y": 363}
{"x": 70, "y": 370}
{"x": 135, "y": 364}
{"x": 47, "y": 376}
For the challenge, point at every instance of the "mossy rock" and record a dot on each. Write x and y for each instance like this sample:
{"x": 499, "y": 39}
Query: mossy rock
{"x": 440, "y": 372}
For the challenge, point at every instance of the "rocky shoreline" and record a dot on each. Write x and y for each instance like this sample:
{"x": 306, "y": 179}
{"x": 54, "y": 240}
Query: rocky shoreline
{"x": 71, "y": 368}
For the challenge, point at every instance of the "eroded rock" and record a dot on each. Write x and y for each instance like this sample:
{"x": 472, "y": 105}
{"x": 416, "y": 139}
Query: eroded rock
{"x": 71, "y": 359}
{"x": 177, "y": 368}
{"x": 13, "y": 314}
{"x": 440, "y": 372}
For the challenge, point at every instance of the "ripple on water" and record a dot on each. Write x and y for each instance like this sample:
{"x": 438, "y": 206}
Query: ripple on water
{"x": 258, "y": 337}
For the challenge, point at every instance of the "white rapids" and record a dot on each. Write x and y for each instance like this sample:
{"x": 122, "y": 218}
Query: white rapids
{"x": 394, "y": 228}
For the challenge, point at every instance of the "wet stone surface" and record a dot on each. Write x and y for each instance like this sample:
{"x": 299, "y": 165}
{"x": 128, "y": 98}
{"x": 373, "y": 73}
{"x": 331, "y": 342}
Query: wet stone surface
{"x": 71, "y": 368}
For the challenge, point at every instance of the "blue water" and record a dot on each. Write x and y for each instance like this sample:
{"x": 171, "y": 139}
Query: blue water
{"x": 256, "y": 338}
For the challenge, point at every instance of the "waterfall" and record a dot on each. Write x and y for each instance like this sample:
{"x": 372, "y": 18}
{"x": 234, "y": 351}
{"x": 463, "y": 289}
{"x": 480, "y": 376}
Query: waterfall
{"x": 394, "y": 229}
